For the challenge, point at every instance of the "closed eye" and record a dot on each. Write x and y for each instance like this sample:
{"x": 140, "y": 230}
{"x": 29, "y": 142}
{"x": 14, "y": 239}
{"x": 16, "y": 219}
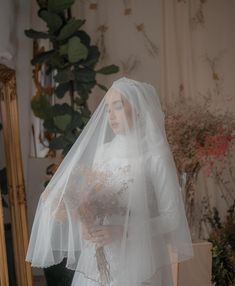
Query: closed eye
{"x": 116, "y": 104}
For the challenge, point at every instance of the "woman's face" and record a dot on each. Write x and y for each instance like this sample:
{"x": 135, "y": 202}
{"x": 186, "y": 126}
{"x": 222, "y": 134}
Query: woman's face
{"x": 120, "y": 113}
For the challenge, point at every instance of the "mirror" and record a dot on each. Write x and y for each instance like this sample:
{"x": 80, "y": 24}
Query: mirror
{"x": 15, "y": 200}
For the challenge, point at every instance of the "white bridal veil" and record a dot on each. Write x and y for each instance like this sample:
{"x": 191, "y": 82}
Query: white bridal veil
{"x": 119, "y": 174}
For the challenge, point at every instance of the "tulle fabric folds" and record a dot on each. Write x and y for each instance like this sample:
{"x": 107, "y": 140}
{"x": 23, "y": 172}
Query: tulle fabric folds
{"x": 119, "y": 172}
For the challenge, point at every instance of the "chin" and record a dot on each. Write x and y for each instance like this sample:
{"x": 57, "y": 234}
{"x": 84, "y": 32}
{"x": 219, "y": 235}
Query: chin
{"x": 117, "y": 131}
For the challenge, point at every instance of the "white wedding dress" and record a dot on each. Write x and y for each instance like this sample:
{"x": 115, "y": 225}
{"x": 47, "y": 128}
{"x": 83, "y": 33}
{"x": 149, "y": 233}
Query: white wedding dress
{"x": 112, "y": 157}
{"x": 120, "y": 171}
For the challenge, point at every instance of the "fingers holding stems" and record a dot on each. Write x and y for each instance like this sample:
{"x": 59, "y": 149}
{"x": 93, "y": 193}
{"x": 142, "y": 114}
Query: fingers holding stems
{"x": 104, "y": 234}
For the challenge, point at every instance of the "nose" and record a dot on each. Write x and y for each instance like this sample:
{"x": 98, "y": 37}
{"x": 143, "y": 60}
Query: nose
{"x": 111, "y": 113}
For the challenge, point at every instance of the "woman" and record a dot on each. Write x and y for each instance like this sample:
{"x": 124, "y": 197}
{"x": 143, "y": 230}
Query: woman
{"x": 114, "y": 207}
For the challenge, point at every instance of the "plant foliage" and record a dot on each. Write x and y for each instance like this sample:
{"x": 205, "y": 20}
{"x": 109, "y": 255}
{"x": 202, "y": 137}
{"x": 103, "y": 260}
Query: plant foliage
{"x": 72, "y": 61}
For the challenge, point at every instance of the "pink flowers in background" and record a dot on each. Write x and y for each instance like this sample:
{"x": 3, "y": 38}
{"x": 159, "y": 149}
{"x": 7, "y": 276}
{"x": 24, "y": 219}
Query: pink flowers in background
{"x": 216, "y": 148}
{"x": 201, "y": 141}
{"x": 198, "y": 138}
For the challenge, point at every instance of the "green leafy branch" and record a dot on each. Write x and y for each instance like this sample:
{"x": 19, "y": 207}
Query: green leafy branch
{"x": 222, "y": 238}
{"x": 71, "y": 60}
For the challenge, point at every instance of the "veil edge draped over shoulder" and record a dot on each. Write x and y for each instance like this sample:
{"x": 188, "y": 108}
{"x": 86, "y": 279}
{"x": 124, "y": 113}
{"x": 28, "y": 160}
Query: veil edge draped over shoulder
{"x": 119, "y": 172}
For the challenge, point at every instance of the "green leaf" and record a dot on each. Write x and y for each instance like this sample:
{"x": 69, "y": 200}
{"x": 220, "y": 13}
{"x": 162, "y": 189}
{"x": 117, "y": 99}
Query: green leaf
{"x": 85, "y": 120}
{"x": 61, "y": 109}
{"x": 92, "y": 58}
{"x": 36, "y": 34}
{"x": 108, "y": 69}
{"x": 102, "y": 87}
{"x": 76, "y": 50}
{"x": 62, "y": 121}
{"x": 85, "y": 112}
{"x": 70, "y": 137}
{"x": 84, "y": 88}
{"x": 58, "y": 143}
{"x": 59, "y": 5}
{"x": 42, "y": 57}
{"x": 84, "y": 37}
{"x": 67, "y": 148}
{"x": 69, "y": 29}
{"x": 61, "y": 89}
{"x": 41, "y": 107}
{"x": 56, "y": 61}
{"x": 50, "y": 126}
{"x": 54, "y": 21}
{"x": 63, "y": 49}
{"x": 84, "y": 75}
{"x": 64, "y": 76}
{"x": 76, "y": 121}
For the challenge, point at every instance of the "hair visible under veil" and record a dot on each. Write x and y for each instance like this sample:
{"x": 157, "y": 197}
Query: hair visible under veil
{"x": 127, "y": 178}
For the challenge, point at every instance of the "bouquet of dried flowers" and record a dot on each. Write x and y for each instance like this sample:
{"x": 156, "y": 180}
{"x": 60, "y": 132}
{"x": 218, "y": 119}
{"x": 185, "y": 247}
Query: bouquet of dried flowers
{"x": 98, "y": 201}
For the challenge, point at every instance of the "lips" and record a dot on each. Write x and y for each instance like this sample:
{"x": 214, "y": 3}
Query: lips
{"x": 114, "y": 124}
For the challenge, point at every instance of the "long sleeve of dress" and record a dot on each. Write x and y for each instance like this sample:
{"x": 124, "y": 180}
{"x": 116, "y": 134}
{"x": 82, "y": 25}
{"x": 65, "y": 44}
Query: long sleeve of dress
{"x": 167, "y": 193}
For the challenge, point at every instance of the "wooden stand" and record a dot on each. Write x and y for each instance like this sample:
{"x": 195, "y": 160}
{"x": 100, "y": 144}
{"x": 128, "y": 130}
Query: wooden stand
{"x": 196, "y": 271}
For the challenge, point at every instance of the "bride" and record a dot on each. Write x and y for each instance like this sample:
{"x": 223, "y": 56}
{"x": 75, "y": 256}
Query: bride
{"x": 114, "y": 207}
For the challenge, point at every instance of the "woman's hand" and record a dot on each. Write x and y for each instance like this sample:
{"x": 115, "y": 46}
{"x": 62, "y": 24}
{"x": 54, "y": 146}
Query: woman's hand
{"x": 85, "y": 231}
{"x": 105, "y": 234}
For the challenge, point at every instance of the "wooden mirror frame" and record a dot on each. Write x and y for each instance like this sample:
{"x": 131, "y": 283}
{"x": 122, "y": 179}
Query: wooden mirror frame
{"x": 4, "y": 279}
{"x": 15, "y": 182}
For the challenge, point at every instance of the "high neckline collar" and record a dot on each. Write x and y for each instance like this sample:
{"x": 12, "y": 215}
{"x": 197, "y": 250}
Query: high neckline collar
{"x": 129, "y": 137}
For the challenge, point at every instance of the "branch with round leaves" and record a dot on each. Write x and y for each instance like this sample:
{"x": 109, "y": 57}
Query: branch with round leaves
{"x": 72, "y": 61}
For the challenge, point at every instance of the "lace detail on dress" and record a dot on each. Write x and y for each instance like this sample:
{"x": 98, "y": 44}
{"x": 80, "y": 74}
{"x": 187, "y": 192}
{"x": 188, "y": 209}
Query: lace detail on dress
{"x": 117, "y": 176}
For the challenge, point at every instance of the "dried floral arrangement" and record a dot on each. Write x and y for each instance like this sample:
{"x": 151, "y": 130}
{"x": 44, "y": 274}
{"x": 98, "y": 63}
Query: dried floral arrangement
{"x": 200, "y": 141}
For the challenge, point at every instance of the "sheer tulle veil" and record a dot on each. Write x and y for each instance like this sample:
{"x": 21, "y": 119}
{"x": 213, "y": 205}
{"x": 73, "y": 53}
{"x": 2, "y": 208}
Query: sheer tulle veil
{"x": 120, "y": 171}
